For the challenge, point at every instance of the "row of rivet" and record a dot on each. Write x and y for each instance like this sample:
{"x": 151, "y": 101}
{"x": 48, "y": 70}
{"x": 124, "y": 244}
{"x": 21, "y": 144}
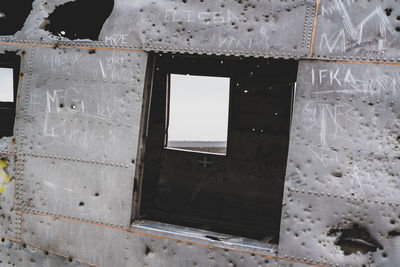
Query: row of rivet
{"x": 323, "y": 262}
{"x": 37, "y": 212}
{"x": 75, "y": 159}
{"x": 355, "y": 198}
{"x": 20, "y": 136}
{"x": 277, "y": 54}
{"x": 132, "y": 82}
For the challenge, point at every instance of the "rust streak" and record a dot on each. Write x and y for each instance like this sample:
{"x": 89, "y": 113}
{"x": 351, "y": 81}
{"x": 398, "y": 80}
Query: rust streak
{"x": 7, "y": 154}
{"x": 362, "y": 62}
{"x": 314, "y": 29}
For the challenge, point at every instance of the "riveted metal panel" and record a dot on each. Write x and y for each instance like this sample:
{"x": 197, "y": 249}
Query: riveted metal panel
{"x": 139, "y": 248}
{"x": 85, "y": 104}
{"x": 345, "y": 131}
{"x": 161, "y": 252}
{"x": 94, "y": 192}
{"x": 308, "y": 218}
{"x": 10, "y": 223}
{"x": 90, "y": 243}
{"x": 343, "y": 160}
{"x": 358, "y": 30}
{"x": 18, "y": 254}
{"x": 261, "y": 28}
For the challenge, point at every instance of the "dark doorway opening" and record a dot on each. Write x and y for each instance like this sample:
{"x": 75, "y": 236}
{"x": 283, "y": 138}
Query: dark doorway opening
{"x": 9, "y": 77}
{"x": 240, "y": 192}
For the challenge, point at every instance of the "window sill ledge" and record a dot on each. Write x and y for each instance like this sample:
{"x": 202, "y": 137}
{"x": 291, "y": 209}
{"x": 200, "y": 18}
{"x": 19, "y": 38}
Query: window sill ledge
{"x": 204, "y": 238}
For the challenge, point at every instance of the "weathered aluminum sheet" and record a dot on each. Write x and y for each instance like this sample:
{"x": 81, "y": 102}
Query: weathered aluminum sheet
{"x": 345, "y": 130}
{"x": 87, "y": 242}
{"x": 85, "y": 104}
{"x": 358, "y": 30}
{"x": 138, "y": 248}
{"x": 259, "y": 28}
{"x": 308, "y": 218}
{"x": 343, "y": 160}
{"x": 81, "y": 115}
{"x": 87, "y": 191}
{"x": 18, "y": 254}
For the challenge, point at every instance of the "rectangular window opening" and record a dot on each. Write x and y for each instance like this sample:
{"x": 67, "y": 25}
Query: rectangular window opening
{"x": 6, "y": 85}
{"x": 216, "y": 144}
{"x": 198, "y": 112}
{"x": 9, "y": 78}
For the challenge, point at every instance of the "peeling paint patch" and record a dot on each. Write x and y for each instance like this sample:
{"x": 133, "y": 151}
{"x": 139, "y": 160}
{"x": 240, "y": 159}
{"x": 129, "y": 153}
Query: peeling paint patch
{"x": 4, "y": 178}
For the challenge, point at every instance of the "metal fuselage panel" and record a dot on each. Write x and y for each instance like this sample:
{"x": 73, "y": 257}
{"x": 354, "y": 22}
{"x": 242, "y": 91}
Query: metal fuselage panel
{"x": 77, "y": 144}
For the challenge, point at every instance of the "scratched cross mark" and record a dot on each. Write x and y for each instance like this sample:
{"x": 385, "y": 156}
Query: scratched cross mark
{"x": 204, "y": 162}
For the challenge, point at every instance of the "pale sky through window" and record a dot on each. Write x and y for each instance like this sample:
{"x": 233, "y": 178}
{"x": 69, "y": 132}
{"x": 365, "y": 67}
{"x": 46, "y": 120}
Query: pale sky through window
{"x": 6, "y": 85}
{"x": 199, "y": 108}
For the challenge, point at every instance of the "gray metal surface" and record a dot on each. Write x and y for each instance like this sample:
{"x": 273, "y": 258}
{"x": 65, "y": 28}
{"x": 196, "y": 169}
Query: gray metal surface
{"x": 17, "y": 254}
{"x": 259, "y": 28}
{"x": 343, "y": 160}
{"x": 72, "y": 159}
{"x": 140, "y": 247}
{"x": 358, "y": 30}
{"x": 81, "y": 121}
{"x": 84, "y": 112}
{"x": 255, "y": 28}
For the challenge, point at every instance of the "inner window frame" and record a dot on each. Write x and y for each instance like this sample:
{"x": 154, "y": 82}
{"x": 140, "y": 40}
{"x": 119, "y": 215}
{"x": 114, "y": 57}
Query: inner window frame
{"x": 11, "y": 60}
{"x": 167, "y": 113}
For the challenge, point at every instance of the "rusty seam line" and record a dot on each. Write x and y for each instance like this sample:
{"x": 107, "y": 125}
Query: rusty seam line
{"x": 314, "y": 29}
{"x": 173, "y": 239}
{"x": 50, "y": 251}
{"x": 359, "y": 62}
{"x": 139, "y": 50}
{"x": 76, "y": 47}
{"x": 7, "y": 154}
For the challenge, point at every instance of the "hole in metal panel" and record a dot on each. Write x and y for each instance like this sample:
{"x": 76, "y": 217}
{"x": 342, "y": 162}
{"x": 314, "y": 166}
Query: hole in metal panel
{"x": 81, "y": 19}
{"x": 388, "y": 11}
{"x": 13, "y": 14}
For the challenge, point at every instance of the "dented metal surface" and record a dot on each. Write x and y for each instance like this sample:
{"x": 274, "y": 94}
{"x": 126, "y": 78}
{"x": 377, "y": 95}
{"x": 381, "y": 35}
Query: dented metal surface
{"x": 68, "y": 173}
{"x": 343, "y": 155}
{"x": 358, "y": 30}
